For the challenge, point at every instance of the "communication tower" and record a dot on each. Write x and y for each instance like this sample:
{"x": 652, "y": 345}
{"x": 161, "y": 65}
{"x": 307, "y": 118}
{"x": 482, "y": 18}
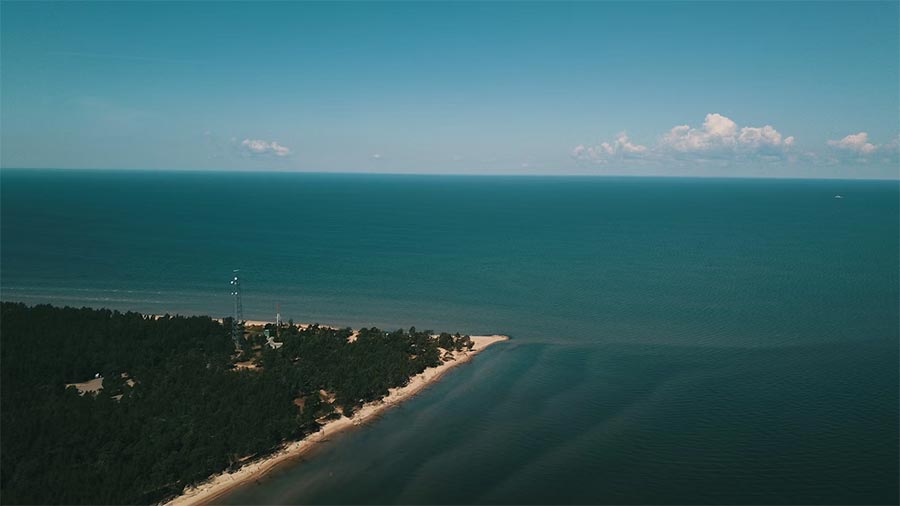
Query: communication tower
{"x": 237, "y": 319}
{"x": 277, "y": 319}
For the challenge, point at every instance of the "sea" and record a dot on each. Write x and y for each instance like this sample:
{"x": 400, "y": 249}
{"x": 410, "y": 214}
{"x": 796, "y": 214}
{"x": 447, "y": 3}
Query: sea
{"x": 673, "y": 340}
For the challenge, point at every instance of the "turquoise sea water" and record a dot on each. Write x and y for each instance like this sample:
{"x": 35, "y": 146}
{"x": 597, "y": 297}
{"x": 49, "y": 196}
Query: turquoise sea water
{"x": 675, "y": 341}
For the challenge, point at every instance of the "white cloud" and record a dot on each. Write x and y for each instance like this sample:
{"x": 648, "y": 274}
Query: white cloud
{"x": 719, "y": 126}
{"x": 857, "y": 143}
{"x": 376, "y": 156}
{"x": 718, "y": 138}
{"x": 620, "y": 148}
{"x": 721, "y": 135}
{"x": 717, "y": 132}
{"x": 261, "y": 147}
{"x": 857, "y": 148}
{"x": 755, "y": 137}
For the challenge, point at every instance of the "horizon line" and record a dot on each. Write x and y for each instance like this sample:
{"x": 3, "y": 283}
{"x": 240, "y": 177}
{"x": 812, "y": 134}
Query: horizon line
{"x": 445, "y": 174}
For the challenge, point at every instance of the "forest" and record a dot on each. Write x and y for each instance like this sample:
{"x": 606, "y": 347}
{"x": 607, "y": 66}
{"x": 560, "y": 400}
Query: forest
{"x": 174, "y": 408}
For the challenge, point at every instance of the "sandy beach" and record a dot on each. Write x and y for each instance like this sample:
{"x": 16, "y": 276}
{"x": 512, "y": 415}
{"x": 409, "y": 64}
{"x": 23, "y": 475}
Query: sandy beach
{"x": 220, "y": 484}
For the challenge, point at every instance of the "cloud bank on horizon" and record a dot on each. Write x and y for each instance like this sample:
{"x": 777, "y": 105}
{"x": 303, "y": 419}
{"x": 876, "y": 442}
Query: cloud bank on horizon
{"x": 720, "y": 139}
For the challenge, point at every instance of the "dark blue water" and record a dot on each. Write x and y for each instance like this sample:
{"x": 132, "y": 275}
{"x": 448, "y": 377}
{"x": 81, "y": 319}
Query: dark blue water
{"x": 674, "y": 340}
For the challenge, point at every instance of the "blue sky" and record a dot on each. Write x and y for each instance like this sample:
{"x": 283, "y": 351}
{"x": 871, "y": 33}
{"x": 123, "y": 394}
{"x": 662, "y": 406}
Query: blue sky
{"x": 785, "y": 89}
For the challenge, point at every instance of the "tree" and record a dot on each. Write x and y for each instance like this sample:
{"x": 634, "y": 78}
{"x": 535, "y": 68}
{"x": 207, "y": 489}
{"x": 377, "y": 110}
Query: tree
{"x": 189, "y": 413}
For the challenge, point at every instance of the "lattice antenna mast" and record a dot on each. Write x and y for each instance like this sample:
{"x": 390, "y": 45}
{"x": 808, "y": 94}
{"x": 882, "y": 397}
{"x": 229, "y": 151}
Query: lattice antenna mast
{"x": 277, "y": 319}
{"x": 237, "y": 321}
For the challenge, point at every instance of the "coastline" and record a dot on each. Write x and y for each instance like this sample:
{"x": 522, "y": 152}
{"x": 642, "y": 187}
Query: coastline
{"x": 220, "y": 484}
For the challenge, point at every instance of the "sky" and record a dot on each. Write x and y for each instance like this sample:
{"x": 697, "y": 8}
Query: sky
{"x": 748, "y": 89}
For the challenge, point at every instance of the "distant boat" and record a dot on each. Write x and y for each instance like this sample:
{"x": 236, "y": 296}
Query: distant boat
{"x": 838, "y": 196}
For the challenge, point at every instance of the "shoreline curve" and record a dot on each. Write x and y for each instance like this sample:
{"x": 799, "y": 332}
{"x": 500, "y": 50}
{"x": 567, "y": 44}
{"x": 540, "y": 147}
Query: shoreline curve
{"x": 220, "y": 484}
